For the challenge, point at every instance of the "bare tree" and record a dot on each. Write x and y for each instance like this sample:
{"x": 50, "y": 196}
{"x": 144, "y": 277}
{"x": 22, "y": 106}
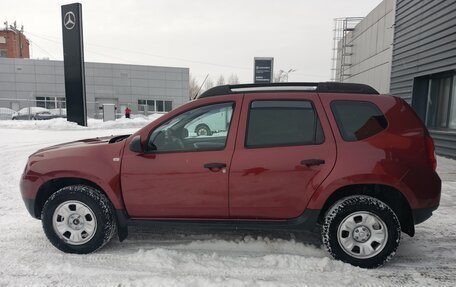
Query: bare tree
{"x": 282, "y": 76}
{"x": 279, "y": 77}
{"x": 193, "y": 87}
{"x": 209, "y": 83}
{"x": 221, "y": 81}
{"x": 233, "y": 79}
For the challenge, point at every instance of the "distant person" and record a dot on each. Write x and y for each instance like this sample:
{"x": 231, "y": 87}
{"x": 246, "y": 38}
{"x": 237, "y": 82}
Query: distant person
{"x": 127, "y": 112}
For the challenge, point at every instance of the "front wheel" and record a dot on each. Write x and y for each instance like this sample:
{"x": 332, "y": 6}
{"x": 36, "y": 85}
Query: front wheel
{"x": 78, "y": 219}
{"x": 362, "y": 231}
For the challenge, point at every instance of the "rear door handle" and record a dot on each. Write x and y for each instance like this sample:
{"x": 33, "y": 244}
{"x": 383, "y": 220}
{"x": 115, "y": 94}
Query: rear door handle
{"x": 312, "y": 162}
{"x": 215, "y": 166}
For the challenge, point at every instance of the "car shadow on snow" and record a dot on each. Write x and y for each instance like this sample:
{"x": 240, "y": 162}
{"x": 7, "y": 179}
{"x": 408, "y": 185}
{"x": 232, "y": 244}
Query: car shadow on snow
{"x": 221, "y": 241}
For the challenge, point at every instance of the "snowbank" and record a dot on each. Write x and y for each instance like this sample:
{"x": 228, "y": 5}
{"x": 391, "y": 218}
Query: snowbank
{"x": 62, "y": 124}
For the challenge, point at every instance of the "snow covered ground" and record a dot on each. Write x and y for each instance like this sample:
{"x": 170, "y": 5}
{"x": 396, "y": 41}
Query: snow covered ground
{"x": 185, "y": 258}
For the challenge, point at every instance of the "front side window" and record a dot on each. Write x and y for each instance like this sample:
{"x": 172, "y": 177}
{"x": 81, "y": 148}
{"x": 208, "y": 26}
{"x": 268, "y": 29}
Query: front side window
{"x": 358, "y": 120}
{"x": 283, "y": 123}
{"x": 183, "y": 132}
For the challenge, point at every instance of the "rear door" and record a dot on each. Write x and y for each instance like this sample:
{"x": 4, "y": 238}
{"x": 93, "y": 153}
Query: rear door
{"x": 284, "y": 150}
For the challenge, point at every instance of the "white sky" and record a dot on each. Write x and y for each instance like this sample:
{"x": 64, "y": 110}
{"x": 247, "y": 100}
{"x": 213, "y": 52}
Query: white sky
{"x": 210, "y": 37}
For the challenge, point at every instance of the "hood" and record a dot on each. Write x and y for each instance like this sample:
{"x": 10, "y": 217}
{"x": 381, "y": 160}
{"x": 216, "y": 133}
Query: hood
{"x": 84, "y": 143}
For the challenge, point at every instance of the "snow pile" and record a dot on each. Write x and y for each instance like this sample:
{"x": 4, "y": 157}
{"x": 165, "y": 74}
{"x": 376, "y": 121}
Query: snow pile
{"x": 62, "y": 124}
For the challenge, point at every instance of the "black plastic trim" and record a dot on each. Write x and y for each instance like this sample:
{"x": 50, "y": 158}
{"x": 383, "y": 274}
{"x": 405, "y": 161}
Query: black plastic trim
{"x": 422, "y": 214}
{"x": 30, "y": 205}
{"x": 306, "y": 221}
{"x": 321, "y": 87}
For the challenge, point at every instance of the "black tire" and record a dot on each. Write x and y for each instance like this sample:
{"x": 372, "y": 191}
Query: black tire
{"x": 203, "y": 130}
{"x": 355, "y": 207}
{"x": 97, "y": 203}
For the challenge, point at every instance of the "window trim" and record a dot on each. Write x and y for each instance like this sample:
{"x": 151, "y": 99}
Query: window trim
{"x": 147, "y": 151}
{"x": 339, "y": 124}
{"x": 281, "y": 145}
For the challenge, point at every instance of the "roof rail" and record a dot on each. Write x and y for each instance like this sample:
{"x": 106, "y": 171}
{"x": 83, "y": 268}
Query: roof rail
{"x": 321, "y": 87}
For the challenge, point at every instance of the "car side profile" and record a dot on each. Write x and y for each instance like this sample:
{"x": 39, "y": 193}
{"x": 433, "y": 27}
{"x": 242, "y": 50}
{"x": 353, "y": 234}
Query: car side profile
{"x": 290, "y": 156}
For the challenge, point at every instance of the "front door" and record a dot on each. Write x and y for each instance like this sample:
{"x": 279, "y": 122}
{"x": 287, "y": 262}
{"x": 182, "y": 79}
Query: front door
{"x": 284, "y": 151}
{"x": 185, "y": 173}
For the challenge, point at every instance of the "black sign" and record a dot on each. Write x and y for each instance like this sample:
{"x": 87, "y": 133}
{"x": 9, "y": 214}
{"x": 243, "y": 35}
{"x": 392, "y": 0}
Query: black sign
{"x": 73, "y": 60}
{"x": 263, "y": 70}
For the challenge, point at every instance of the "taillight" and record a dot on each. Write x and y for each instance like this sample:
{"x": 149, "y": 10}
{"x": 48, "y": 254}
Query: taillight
{"x": 431, "y": 151}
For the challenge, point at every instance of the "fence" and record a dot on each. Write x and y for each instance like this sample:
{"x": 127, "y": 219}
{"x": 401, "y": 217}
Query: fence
{"x": 27, "y": 109}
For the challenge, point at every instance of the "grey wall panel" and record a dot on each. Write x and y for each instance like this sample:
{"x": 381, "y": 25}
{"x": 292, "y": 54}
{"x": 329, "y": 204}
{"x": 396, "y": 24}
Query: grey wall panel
{"x": 370, "y": 49}
{"x": 28, "y": 79}
{"x": 7, "y": 77}
{"x": 424, "y": 44}
{"x": 24, "y": 87}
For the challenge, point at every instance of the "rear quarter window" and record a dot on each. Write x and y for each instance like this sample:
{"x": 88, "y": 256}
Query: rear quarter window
{"x": 358, "y": 120}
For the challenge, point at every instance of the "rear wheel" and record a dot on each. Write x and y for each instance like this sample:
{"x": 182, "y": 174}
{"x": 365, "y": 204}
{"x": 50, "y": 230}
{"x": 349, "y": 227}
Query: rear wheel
{"x": 362, "y": 231}
{"x": 78, "y": 219}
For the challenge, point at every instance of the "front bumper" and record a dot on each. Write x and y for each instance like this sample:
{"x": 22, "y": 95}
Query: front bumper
{"x": 30, "y": 205}
{"x": 29, "y": 186}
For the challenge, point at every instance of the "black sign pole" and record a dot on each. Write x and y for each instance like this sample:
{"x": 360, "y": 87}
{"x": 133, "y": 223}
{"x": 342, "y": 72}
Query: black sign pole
{"x": 73, "y": 60}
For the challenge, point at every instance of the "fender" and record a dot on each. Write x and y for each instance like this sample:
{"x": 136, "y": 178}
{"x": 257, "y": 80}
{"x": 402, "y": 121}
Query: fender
{"x": 95, "y": 160}
{"x": 331, "y": 185}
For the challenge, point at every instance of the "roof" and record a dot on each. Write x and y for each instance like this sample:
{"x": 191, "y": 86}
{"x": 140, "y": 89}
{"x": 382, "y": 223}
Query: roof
{"x": 321, "y": 87}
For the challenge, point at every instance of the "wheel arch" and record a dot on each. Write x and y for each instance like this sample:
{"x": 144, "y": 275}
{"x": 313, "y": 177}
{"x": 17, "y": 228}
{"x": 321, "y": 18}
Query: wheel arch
{"x": 53, "y": 185}
{"x": 388, "y": 194}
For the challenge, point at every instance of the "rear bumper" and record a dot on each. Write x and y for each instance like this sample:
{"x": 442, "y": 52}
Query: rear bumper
{"x": 422, "y": 214}
{"x": 30, "y": 205}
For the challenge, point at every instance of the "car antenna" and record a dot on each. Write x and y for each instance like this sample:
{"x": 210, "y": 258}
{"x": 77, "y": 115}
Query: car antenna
{"x": 194, "y": 97}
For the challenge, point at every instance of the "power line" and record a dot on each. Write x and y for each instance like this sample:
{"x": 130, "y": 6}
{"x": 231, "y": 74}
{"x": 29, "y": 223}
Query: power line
{"x": 58, "y": 41}
{"x": 35, "y": 44}
{"x": 145, "y": 53}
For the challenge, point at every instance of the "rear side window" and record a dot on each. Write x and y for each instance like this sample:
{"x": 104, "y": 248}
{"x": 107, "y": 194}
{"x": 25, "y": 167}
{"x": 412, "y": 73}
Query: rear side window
{"x": 283, "y": 123}
{"x": 358, "y": 120}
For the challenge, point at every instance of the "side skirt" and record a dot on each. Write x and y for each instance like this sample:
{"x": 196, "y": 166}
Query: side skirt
{"x": 306, "y": 221}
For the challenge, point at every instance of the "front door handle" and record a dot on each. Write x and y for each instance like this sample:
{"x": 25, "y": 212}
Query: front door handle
{"x": 312, "y": 162}
{"x": 215, "y": 166}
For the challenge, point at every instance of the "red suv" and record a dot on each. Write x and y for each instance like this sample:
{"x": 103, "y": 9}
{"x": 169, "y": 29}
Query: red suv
{"x": 283, "y": 156}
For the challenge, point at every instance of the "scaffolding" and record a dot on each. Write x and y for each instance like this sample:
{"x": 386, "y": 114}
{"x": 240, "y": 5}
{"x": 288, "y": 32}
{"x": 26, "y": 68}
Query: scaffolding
{"x": 342, "y": 48}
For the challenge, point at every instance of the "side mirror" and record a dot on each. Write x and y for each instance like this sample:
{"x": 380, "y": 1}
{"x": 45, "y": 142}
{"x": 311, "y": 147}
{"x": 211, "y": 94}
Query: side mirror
{"x": 184, "y": 133}
{"x": 135, "y": 145}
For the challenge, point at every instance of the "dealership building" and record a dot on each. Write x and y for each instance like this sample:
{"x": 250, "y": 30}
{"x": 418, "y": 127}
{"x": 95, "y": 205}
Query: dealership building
{"x": 406, "y": 48}
{"x": 146, "y": 89}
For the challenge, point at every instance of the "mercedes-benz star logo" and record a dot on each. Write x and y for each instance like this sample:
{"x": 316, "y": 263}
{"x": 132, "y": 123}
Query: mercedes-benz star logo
{"x": 69, "y": 21}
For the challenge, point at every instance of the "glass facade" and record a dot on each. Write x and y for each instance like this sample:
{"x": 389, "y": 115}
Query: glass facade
{"x": 154, "y": 106}
{"x": 441, "y": 102}
{"x": 51, "y": 102}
